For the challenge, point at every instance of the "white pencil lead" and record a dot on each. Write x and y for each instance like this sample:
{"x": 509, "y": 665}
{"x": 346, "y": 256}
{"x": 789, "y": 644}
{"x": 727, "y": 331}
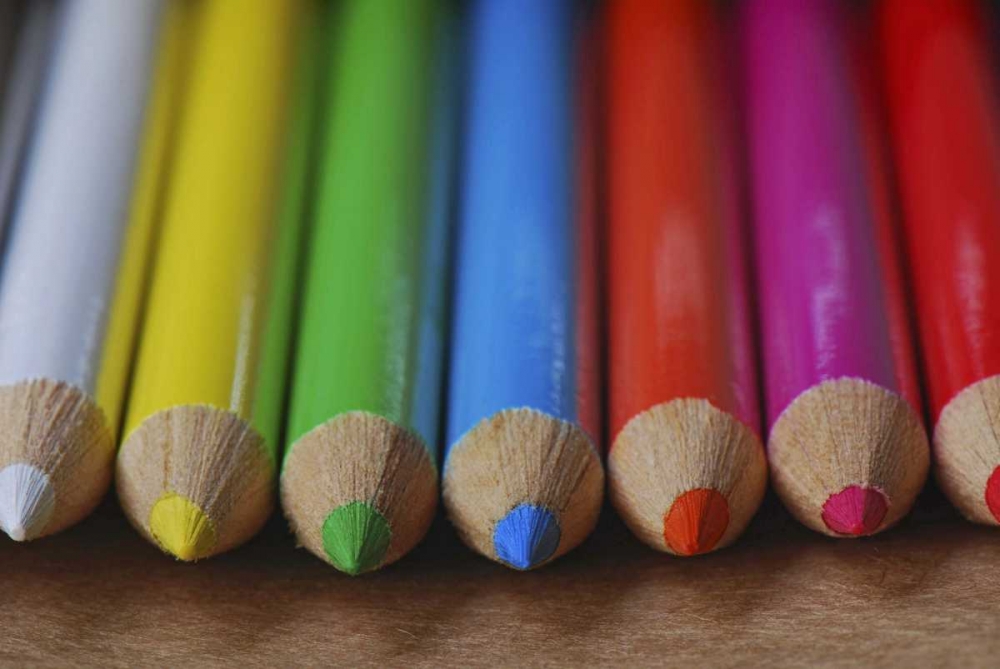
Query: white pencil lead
{"x": 26, "y": 501}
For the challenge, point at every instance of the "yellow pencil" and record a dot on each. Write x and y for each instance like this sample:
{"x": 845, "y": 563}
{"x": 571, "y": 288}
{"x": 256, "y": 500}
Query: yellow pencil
{"x": 156, "y": 154}
{"x": 196, "y": 472}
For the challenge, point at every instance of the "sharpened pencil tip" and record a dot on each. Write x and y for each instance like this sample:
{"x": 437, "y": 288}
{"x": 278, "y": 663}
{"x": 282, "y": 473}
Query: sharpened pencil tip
{"x": 993, "y": 494}
{"x": 26, "y": 501}
{"x": 356, "y": 537}
{"x": 526, "y": 537}
{"x": 855, "y": 511}
{"x": 181, "y": 528}
{"x": 17, "y": 532}
{"x": 696, "y": 521}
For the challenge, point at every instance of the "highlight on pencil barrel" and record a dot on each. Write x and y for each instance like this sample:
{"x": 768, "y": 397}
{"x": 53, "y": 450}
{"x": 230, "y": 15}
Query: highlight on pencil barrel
{"x": 847, "y": 448}
{"x": 940, "y": 71}
{"x": 197, "y": 470}
{"x": 522, "y": 479}
{"x": 686, "y": 468}
{"x": 61, "y": 384}
{"x": 360, "y": 482}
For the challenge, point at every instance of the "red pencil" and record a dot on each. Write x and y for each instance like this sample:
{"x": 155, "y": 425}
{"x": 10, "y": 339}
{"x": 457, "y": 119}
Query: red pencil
{"x": 687, "y": 469}
{"x": 945, "y": 119}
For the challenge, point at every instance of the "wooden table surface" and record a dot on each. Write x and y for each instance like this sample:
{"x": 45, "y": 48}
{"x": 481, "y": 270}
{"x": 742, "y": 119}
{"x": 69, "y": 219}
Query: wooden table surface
{"x": 924, "y": 594}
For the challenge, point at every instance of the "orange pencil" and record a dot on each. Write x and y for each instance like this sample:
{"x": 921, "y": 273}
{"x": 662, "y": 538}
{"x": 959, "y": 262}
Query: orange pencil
{"x": 687, "y": 468}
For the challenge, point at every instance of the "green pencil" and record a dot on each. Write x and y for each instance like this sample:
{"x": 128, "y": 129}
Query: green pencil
{"x": 359, "y": 483}
{"x": 292, "y": 213}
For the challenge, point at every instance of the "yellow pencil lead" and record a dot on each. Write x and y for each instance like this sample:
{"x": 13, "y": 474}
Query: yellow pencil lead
{"x": 181, "y": 528}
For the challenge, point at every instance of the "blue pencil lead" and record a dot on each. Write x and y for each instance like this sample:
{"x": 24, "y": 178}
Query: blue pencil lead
{"x": 526, "y": 537}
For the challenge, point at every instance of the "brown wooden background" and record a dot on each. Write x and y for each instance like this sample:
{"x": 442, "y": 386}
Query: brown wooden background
{"x": 924, "y": 594}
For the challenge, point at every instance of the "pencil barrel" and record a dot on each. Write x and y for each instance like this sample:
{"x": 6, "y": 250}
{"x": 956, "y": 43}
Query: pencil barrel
{"x": 65, "y": 237}
{"x": 832, "y": 364}
{"x": 939, "y": 63}
{"x": 679, "y": 316}
{"x": 515, "y": 330}
{"x": 359, "y": 483}
{"x": 517, "y": 384}
{"x": 197, "y": 467}
{"x": 683, "y": 385}
{"x": 822, "y": 301}
{"x": 367, "y": 285}
{"x": 945, "y": 111}
{"x": 206, "y": 310}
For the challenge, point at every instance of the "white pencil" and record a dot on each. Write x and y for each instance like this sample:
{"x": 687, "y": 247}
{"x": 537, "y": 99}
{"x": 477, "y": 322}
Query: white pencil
{"x": 20, "y": 89}
{"x": 58, "y": 277}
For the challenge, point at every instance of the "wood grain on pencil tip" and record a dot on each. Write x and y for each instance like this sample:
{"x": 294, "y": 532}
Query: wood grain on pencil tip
{"x": 360, "y": 483}
{"x": 549, "y": 475}
{"x": 63, "y": 246}
{"x": 939, "y": 65}
{"x": 355, "y": 517}
{"x": 847, "y": 449}
{"x": 196, "y": 472}
{"x": 55, "y": 446}
{"x": 967, "y": 450}
{"x": 849, "y": 456}
{"x": 686, "y": 469}
{"x": 196, "y": 481}
{"x": 686, "y": 476}
{"x": 522, "y": 481}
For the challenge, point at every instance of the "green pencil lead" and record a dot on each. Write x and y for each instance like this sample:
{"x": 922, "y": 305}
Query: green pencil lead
{"x": 356, "y": 537}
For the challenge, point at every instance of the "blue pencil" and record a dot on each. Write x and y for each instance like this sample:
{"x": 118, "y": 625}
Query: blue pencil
{"x": 523, "y": 482}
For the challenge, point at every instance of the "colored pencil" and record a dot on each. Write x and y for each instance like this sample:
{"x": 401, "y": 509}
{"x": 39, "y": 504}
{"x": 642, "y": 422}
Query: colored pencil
{"x": 196, "y": 471}
{"x": 522, "y": 480}
{"x": 58, "y": 278}
{"x": 152, "y": 176}
{"x": 359, "y": 483}
{"x": 21, "y": 89}
{"x": 847, "y": 449}
{"x": 940, "y": 71}
{"x": 686, "y": 469}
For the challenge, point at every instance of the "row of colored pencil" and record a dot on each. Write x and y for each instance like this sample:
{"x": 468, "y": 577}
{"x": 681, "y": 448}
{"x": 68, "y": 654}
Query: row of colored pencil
{"x": 230, "y": 224}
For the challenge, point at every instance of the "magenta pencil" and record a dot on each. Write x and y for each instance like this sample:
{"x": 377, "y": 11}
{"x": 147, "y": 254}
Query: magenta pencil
{"x": 847, "y": 449}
